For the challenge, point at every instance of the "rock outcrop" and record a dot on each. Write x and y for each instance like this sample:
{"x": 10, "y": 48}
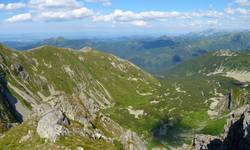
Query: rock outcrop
{"x": 131, "y": 141}
{"x": 18, "y": 68}
{"x": 236, "y": 135}
{"x": 1, "y": 59}
{"x": 51, "y": 125}
{"x": 205, "y": 142}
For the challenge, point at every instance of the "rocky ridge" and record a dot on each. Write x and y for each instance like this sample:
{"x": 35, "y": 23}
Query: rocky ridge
{"x": 236, "y": 133}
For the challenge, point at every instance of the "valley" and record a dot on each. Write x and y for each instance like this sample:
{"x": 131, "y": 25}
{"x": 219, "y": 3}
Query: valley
{"x": 112, "y": 99}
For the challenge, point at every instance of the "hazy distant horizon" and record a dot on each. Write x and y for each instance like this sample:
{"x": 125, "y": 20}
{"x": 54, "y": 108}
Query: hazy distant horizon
{"x": 74, "y": 35}
{"x": 107, "y": 18}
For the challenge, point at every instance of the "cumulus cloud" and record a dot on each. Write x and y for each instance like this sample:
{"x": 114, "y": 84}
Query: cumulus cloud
{"x": 12, "y": 6}
{"x": 240, "y": 11}
{"x": 243, "y": 2}
{"x": 140, "y": 19}
{"x": 58, "y": 10}
{"x": 139, "y": 23}
{"x": 53, "y": 4}
{"x": 103, "y": 2}
{"x": 66, "y": 15}
{"x": 126, "y": 16}
{"x": 20, "y": 18}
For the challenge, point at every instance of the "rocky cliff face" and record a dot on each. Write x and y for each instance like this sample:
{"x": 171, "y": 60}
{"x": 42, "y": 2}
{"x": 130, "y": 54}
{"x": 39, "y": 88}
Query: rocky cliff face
{"x": 236, "y": 135}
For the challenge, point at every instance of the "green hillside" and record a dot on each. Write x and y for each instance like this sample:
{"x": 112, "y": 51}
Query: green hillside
{"x": 108, "y": 96}
{"x": 208, "y": 86}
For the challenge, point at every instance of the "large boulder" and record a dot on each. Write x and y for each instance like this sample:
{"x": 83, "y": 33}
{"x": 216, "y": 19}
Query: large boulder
{"x": 52, "y": 125}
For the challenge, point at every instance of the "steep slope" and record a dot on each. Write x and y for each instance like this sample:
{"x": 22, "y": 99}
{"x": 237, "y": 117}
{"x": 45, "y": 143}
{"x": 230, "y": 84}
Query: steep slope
{"x": 97, "y": 98}
{"x": 208, "y": 87}
{"x": 236, "y": 134}
{"x": 86, "y": 86}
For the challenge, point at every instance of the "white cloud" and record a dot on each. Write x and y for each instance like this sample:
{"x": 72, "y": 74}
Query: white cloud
{"x": 20, "y": 18}
{"x": 230, "y": 11}
{"x": 12, "y": 6}
{"x": 202, "y": 24}
{"x": 127, "y": 16}
{"x": 58, "y": 10}
{"x": 2, "y": 6}
{"x": 103, "y": 2}
{"x": 139, "y": 23}
{"x": 243, "y": 2}
{"x": 140, "y": 18}
{"x": 66, "y": 15}
{"x": 53, "y": 4}
{"x": 212, "y": 22}
{"x": 240, "y": 11}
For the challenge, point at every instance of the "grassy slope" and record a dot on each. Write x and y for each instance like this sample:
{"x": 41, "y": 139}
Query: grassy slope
{"x": 182, "y": 111}
{"x": 192, "y": 77}
{"x": 115, "y": 75}
{"x": 11, "y": 140}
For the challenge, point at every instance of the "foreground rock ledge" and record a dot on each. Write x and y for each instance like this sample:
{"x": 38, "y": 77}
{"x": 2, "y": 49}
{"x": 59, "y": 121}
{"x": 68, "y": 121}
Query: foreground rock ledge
{"x": 236, "y": 135}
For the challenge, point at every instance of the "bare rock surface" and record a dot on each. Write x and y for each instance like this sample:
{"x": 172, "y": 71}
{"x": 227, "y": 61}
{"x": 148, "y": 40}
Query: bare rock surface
{"x": 51, "y": 125}
{"x": 236, "y": 135}
{"x": 131, "y": 141}
{"x": 18, "y": 68}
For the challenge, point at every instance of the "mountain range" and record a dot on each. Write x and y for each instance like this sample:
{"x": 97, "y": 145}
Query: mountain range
{"x": 153, "y": 54}
{"x": 85, "y": 98}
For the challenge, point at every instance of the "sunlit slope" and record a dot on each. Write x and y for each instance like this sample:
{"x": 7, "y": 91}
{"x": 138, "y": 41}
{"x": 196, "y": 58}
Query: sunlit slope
{"x": 97, "y": 82}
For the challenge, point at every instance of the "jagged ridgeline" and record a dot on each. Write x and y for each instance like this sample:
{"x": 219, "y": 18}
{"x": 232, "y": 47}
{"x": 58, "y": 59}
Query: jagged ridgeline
{"x": 73, "y": 99}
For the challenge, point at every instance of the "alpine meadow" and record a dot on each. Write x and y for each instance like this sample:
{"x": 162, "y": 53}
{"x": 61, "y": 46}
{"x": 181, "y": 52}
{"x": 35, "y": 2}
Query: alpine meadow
{"x": 124, "y": 75}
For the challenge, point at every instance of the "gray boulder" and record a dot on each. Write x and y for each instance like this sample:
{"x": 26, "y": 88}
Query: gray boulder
{"x": 51, "y": 125}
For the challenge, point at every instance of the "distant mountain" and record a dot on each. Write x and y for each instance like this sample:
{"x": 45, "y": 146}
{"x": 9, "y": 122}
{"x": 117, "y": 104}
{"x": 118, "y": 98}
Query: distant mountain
{"x": 154, "y": 54}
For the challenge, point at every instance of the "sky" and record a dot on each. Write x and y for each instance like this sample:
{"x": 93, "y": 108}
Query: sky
{"x": 121, "y": 17}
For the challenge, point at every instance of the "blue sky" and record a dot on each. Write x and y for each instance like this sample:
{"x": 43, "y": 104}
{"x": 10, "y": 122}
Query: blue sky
{"x": 121, "y": 17}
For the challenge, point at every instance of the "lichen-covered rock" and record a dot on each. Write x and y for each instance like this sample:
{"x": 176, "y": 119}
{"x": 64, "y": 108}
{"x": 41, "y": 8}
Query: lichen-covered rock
{"x": 131, "y": 141}
{"x": 51, "y": 125}
{"x": 72, "y": 108}
{"x": 204, "y": 142}
{"x": 18, "y": 68}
